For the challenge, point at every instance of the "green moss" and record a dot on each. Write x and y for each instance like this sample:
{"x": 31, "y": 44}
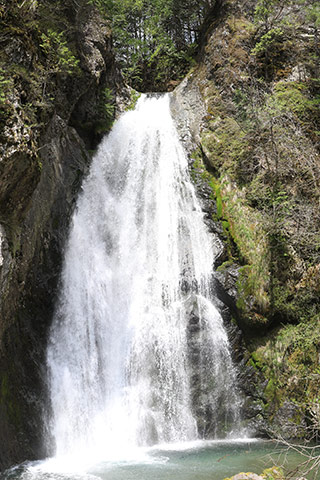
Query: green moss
{"x": 242, "y": 227}
{"x": 288, "y": 358}
{"x": 270, "y": 390}
{"x": 226, "y": 227}
{"x": 246, "y": 229}
{"x": 296, "y": 304}
{"x": 217, "y": 193}
{"x": 225, "y": 143}
{"x": 199, "y": 171}
{"x": 255, "y": 361}
{"x": 5, "y": 85}
{"x": 224, "y": 265}
{"x": 294, "y": 97}
{"x": 273, "y": 473}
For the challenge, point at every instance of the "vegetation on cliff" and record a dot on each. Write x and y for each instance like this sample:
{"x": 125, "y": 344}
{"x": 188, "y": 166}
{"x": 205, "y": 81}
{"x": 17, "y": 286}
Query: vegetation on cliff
{"x": 259, "y": 77}
{"x": 44, "y": 71}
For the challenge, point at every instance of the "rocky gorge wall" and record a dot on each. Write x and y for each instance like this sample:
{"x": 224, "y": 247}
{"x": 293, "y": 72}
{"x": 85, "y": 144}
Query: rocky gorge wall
{"x": 254, "y": 102}
{"x": 57, "y": 98}
{"x": 189, "y": 111}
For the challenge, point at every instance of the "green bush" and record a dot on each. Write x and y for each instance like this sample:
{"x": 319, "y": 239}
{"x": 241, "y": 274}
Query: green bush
{"x": 60, "y": 59}
{"x": 270, "y": 43}
{"x": 289, "y": 359}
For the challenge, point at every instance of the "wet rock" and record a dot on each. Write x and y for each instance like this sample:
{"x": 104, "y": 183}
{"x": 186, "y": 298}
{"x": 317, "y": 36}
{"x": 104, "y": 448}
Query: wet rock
{"x": 274, "y": 473}
{"x": 289, "y": 422}
{"x": 29, "y": 282}
{"x": 226, "y": 283}
{"x": 94, "y": 42}
{"x": 18, "y": 53}
{"x": 225, "y": 293}
{"x": 188, "y": 112}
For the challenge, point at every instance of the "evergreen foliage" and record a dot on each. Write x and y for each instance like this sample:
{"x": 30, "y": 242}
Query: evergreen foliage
{"x": 59, "y": 56}
{"x": 155, "y": 40}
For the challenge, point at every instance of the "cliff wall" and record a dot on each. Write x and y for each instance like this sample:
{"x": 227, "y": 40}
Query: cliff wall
{"x": 58, "y": 82}
{"x": 258, "y": 151}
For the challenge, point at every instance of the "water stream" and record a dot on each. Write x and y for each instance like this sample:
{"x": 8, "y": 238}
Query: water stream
{"x": 199, "y": 460}
{"x": 137, "y": 347}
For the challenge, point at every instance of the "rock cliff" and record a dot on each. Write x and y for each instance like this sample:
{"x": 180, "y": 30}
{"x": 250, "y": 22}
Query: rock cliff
{"x": 258, "y": 152}
{"x": 58, "y": 81}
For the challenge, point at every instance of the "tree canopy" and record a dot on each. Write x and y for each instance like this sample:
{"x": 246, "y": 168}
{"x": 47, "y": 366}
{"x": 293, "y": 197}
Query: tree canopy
{"x": 155, "y": 40}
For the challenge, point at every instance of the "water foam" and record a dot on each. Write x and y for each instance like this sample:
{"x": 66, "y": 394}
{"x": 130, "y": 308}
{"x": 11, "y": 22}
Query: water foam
{"x": 137, "y": 268}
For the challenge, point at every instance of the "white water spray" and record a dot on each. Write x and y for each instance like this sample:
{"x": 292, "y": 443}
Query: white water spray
{"x": 137, "y": 350}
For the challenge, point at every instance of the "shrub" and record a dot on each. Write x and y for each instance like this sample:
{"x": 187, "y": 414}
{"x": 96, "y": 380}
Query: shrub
{"x": 59, "y": 57}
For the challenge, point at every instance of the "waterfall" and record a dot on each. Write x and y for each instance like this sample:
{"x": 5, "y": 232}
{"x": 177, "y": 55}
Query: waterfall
{"x": 138, "y": 354}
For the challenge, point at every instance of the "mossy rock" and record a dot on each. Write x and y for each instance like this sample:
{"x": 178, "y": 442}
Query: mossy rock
{"x": 273, "y": 473}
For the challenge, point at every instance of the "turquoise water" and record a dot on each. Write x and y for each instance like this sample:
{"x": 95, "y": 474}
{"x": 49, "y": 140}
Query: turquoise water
{"x": 214, "y": 460}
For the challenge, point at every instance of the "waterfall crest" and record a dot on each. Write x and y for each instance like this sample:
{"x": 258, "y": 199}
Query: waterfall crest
{"x": 137, "y": 351}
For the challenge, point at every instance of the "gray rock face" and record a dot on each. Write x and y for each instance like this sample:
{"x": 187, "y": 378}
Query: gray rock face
{"x": 94, "y": 50}
{"x": 40, "y": 177}
{"x": 29, "y": 281}
{"x": 226, "y": 280}
{"x": 189, "y": 112}
{"x": 289, "y": 421}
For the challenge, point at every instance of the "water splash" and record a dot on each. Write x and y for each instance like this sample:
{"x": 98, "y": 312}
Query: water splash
{"x": 138, "y": 352}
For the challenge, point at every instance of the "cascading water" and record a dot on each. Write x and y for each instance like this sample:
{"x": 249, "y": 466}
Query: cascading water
{"x": 138, "y": 352}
